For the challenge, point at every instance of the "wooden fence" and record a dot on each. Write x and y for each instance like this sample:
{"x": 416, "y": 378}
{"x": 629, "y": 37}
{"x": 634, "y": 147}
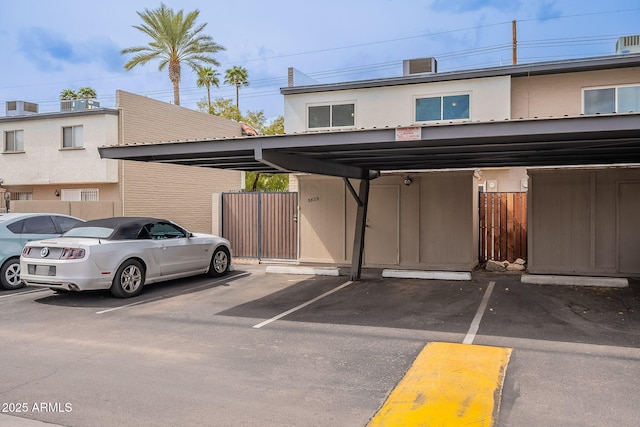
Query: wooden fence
{"x": 503, "y": 226}
{"x": 261, "y": 225}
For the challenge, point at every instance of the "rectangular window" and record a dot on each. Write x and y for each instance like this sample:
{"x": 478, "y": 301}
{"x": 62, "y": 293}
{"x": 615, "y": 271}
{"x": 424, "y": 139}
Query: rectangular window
{"x": 14, "y": 141}
{"x": 452, "y": 107}
{"x": 79, "y": 195}
{"x": 329, "y": 116}
{"x": 623, "y": 99}
{"x": 72, "y": 137}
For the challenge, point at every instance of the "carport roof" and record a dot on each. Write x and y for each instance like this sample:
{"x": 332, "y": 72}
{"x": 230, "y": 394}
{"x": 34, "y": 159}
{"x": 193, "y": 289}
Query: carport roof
{"x": 584, "y": 140}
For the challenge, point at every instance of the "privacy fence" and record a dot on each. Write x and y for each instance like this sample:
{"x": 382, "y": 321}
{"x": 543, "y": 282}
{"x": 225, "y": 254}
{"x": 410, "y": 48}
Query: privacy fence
{"x": 261, "y": 225}
{"x": 503, "y": 226}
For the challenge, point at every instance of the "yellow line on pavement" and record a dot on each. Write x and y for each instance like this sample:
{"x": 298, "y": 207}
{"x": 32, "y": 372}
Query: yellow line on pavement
{"x": 448, "y": 385}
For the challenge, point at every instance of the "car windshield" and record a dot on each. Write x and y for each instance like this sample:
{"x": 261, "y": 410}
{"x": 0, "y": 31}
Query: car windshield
{"x": 97, "y": 232}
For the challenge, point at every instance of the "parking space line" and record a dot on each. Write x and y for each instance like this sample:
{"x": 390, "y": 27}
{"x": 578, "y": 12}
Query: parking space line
{"x": 23, "y": 293}
{"x": 449, "y": 384}
{"x": 164, "y": 296}
{"x": 286, "y": 313}
{"x": 475, "y": 323}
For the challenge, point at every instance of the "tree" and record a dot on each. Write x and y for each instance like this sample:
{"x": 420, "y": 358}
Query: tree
{"x": 82, "y": 93}
{"x": 207, "y": 77}
{"x": 237, "y": 76}
{"x": 86, "y": 93}
{"x": 68, "y": 94}
{"x": 175, "y": 39}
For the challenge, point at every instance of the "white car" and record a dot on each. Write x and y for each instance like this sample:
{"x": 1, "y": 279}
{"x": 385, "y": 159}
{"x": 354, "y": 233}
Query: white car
{"x": 122, "y": 254}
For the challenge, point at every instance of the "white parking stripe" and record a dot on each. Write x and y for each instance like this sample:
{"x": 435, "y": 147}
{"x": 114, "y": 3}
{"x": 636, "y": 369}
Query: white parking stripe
{"x": 23, "y": 293}
{"x": 164, "y": 296}
{"x": 475, "y": 324}
{"x": 281, "y": 315}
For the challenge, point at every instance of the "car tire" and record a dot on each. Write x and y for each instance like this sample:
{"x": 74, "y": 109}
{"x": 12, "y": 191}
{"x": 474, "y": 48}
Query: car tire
{"x": 129, "y": 279}
{"x": 10, "y": 274}
{"x": 220, "y": 262}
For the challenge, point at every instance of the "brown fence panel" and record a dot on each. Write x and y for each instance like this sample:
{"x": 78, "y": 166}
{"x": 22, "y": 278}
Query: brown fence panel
{"x": 503, "y": 226}
{"x": 278, "y": 225}
{"x": 261, "y": 225}
{"x": 240, "y": 223}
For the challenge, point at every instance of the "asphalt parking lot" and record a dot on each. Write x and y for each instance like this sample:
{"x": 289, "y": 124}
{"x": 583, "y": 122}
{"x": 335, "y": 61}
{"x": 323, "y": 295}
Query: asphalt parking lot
{"x": 285, "y": 350}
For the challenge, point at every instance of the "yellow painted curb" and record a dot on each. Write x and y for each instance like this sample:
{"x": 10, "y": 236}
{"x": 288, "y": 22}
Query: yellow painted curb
{"x": 448, "y": 385}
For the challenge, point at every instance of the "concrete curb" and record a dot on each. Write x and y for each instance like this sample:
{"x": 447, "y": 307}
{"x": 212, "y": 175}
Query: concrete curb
{"x": 601, "y": 282}
{"x": 318, "y": 271}
{"x": 430, "y": 275}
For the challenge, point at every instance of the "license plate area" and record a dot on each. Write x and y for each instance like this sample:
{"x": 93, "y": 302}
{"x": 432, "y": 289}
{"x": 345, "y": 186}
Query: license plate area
{"x": 42, "y": 270}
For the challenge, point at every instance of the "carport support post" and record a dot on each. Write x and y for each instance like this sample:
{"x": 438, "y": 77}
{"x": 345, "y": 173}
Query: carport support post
{"x": 361, "y": 222}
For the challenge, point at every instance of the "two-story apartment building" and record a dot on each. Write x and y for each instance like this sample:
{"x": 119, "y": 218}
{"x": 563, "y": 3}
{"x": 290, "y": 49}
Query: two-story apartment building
{"x": 50, "y": 162}
{"x": 390, "y": 167}
{"x": 581, "y": 220}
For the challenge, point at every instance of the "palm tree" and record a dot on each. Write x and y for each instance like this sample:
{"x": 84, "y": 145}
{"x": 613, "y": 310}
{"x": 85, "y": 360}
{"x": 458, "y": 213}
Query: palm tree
{"x": 207, "y": 77}
{"x": 174, "y": 40}
{"x": 86, "y": 93}
{"x": 237, "y": 76}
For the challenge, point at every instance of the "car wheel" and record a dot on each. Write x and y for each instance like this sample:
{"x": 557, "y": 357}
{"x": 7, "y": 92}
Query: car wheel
{"x": 129, "y": 279}
{"x": 219, "y": 262}
{"x": 10, "y": 274}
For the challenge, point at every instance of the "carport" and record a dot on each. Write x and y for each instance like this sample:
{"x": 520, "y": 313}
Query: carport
{"x": 602, "y": 140}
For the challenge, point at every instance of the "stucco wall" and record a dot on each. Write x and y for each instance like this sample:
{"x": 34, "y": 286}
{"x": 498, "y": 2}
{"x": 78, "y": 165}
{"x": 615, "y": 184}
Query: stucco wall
{"x": 430, "y": 224}
{"x": 395, "y": 105}
{"x": 561, "y": 94}
{"x": 574, "y": 222}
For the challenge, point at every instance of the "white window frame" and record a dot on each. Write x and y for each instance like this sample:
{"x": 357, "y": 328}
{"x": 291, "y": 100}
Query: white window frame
{"x": 75, "y": 144}
{"x": 80, "y": 194}
{"x": 615, "y": 97}
{"x": 20, "y": 140}
{"x": 331, "y": 105}
{"x": 441, "y": 96}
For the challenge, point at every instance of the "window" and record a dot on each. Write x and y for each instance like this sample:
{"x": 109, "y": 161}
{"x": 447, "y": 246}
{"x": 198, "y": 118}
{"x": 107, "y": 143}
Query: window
{"x": 14, "y": 141}
{"x": 165, "y": 231}
{"x": 452, "y": 107}
{"x": 80, "y": 195}
{"x": 72, "y": 137}
{"x": 35, "y": 225}
{"x": 329, "y": 116}
{"x": 623, "y": 99}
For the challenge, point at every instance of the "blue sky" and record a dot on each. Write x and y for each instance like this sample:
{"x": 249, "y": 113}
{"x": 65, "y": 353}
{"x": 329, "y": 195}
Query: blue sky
{"x": 49, "y": 46}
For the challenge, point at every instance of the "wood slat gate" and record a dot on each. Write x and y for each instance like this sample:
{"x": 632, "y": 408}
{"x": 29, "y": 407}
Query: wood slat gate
{"x": 261, "y": 225}
{"x": 503, "y": 226}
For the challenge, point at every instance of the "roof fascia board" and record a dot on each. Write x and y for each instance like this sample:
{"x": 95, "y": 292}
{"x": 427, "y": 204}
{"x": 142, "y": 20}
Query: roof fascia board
{"x": 59, "y": 114}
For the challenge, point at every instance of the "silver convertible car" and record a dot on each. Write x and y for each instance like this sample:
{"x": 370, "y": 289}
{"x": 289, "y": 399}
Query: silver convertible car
{"x": 122, "y": 254}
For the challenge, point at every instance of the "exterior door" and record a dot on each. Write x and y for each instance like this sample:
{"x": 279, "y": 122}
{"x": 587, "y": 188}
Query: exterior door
{"x": 629, "y": 227}
{"x": 381, "y": 245}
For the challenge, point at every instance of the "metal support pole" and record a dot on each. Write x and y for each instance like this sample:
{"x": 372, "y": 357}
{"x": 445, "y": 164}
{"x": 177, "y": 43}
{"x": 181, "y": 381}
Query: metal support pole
{"x": 361, "y": 223}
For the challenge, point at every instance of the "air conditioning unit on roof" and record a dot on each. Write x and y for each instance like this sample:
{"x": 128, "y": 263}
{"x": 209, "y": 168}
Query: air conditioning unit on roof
{"x": 628, "y": 44}
{"x": 20, "y": 108}
{"x": 419, "y": 66}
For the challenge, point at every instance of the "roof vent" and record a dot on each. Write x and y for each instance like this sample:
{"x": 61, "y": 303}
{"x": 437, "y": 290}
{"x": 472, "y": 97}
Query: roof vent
{"x": 20, "y": 108}
{"x": 628, "y": 44}
{"x": 419, "y": 66}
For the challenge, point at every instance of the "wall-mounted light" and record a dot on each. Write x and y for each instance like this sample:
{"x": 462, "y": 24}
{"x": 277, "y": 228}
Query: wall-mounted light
{"x": 57, "y": 193}
{"x": 407, "y": 180}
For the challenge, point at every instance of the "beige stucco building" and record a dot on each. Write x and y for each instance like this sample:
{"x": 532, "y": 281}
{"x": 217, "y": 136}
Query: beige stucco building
{"x": 581, "y": 220}
{"x": 50, "y": 162}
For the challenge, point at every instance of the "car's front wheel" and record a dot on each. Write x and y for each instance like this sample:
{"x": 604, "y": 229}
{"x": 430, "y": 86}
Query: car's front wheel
{"x": 10, "y": 274}
{"x": 129, "y": 279}
{"x": 220, "y": 262}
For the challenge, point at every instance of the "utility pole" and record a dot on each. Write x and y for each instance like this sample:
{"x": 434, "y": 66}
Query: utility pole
{"x": 514, "y": 43}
